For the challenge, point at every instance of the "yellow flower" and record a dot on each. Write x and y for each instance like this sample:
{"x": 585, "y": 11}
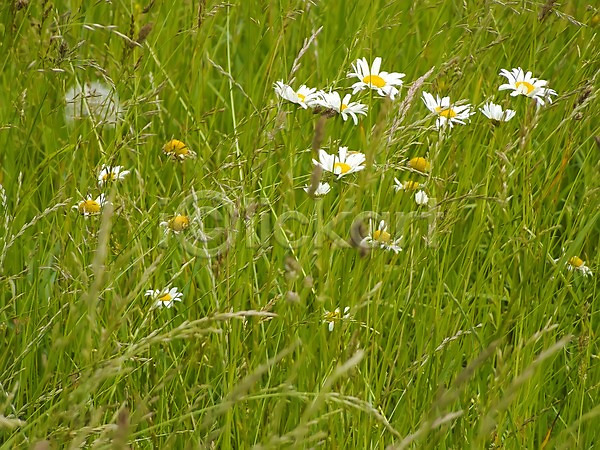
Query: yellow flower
{"x": 178, "y": 150}
{"x": 379, "y": 237}
{"x": 90, "y": 207}
{"x": 576, "y": 263}
{"x": 419, "y": 163}
{"x": 408, "y": 185}
{"x": 176, "y": 224}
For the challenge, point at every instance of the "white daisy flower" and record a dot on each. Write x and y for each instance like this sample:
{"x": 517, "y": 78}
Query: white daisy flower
{"x": 370, "y": 77}
{"x": 495, "y": 113}
{"x": 322, "y": 189}
{"x": 344, "y": 163}
{"x": 332, "y": 101}
{"x": 164, "y": 297}
{"x": 304, "y": 96}
{"x": 447, "y": 114}
{"x": 96, "y": 99}
{"x": 421, "y": 198}
{"x": 177, "y": 224}
{"x": 408, "y": 185}
{"x": 111, "y": 173}
{"x": 522, "y": 83}
{"x": 90, "y": 207}
{"x": 576, "y": 263}
{"x": 379, "y": 237}
{"x": 331, "y": 317}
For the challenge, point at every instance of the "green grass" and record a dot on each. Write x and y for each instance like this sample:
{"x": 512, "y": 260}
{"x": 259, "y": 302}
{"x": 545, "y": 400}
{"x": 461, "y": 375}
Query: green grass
{"x": 471, "y": 337}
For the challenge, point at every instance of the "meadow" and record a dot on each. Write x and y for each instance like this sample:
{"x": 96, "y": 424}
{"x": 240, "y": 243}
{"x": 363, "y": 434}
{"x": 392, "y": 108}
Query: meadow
{"x": 214, "y": 292}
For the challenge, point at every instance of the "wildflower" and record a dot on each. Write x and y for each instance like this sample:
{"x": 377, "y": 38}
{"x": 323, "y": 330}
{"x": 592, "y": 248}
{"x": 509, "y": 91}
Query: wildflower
{"x": 304, "y": 96}
{"x": 383, "y": 82}
{"x": 331, "y": 317}
{"x": 322, "y": 189}
{"x": 111, "y": 173}
{"x": 333, "y": 102}
{"x": 90, "y": 207}
{"x": 176, "y": 224}
{"x": 522, "y": 83}
{"x": 496, "y": 114}
{"x": 164, "y": 297}
{"x": 447, "y": 114}
{"x": 344, "y": 163}
{"x": 95, "y": 99}
{"x": 421, "y": 198}
{"x": 380, "y": 237}
{"x": 178, "y": 150}
{"x": 406, "y": 186}
{"x": 576, "y": 263}
{"x": 419, "y": 163}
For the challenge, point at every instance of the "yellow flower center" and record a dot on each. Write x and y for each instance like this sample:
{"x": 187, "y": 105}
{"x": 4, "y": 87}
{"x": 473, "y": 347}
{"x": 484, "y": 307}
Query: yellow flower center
{"x": 343, "y": 167}
{"x": 165, "y": 298}
{"x": 179, "y": 223}
{"x": 374, "y": 80}
{"x": 530, "y": 87}
{"x": 108, "y": 176}
{"x": 382, "y": 236}
{"x": 576, "y": 261}
{"x": 411, "y": 185}
{"x": 343, "y": 107}
{"x": 89, "y": 206}
{"x": 301, "y": 97}
{"x": 175, "y": 147}
{"x": 419, "y": 163}
{"x": 448, "y": 113}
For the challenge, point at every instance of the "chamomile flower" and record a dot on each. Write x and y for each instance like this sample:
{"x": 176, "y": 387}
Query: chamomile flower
{"x": 379, "y": 237}
{"x": 178, "y": 150}
{"x": 344, "y": 163}
{"x": 322, "y": 189}
{"x": 95, "y": 99}
{"x": 176, "y": 224}
{"x": 408, "y": 185}
{"x": 495, "y": 113}
{"x": 333, "y": 102}
{"x": 90, "y": 207}
{"x": 164, "y": 298}
{"x": 419, "y": 163}
{"x": 331, "y": 317}
{"x": 371, "y": 77}
{"x": 576, "y": 263}
{"x": 522, "y": 83}
{"x": 420, "y": 195}
{"x": 304, "y": 96}
{"x": 421, "y": 198}
{"x": 447, "y": 113}
{"x": 111, "y": 173}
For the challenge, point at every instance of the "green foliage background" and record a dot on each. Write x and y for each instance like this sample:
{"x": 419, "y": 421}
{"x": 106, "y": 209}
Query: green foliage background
{"x": 471, "y": 337}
